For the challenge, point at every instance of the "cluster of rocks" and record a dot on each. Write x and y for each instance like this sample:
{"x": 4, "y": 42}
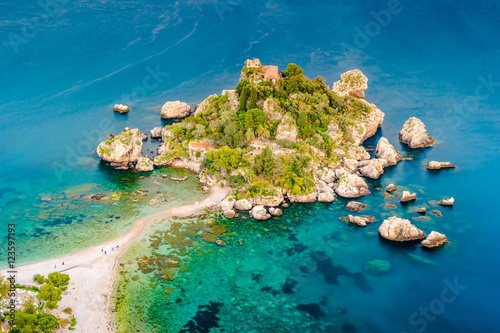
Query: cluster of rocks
{"x": 402, "y": 230}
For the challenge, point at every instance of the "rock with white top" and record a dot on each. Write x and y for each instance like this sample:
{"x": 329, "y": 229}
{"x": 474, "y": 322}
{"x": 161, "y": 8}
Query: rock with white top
{"x": 434, "y": 239}
{"x": 243, "y": 204}
{"x": 435, "y": 165}
{"x": 407, "y": 196}
{"x": 177, "y": 109}
{"x": 399, "y": 230}
{"x": 121, "y": 108}
{"x": 447, "y": 202}
{"x": 387, "y": 151}
{"x": 260, "y": 213}
{"x": 415, "y": 135}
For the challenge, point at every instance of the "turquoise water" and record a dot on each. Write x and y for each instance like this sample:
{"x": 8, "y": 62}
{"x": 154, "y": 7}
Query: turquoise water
{"x": 431, "y": 60}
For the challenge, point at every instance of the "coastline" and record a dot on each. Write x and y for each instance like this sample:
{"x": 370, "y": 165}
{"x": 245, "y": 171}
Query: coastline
{"x": 93, "y": 272}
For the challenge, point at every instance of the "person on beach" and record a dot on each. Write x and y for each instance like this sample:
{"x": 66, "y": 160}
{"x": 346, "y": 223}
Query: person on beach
{"x": 104, "y": 252}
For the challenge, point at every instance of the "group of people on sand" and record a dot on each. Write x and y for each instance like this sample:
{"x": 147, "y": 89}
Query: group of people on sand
{"x": 112, "y": 249}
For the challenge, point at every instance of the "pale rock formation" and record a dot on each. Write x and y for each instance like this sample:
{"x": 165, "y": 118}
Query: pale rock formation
{"x": 227, "y": 203}
{"x": 434, "y": 165}
{"x": 275, "y": 198}
{"x": 365, "y": 127}
{"x": 234, "y": 100}
{"x": 243, "y": 204}
{"x": 303, "y": 198}
{"x": 260, "y": 213}
{"x": 203, "y": 106}
{"x": 414, "y": 134}
{"x": 399, "y": 230}
{"x": 447, "y": 202}
{"x": 326, "y": 196}
{"x": 355, "y": 206}
{"x": 421, "y": 210}
{"x": 361, "y": 220}
{"x": 350, "y": 186}
{"x": 156, "y": 133}
{"x": 121, "y": 108}
{"x": 144, "y": 164}
{"x": 275, "y": 211}
{"x": 387, "y": 151}
{"x": 229, "y": 213}
{"x": 287, "y": 129}
{"x": 408, "y": 197}
{"x": 122, "y": 150}
{"x": 176, "y": 109}
{"x": 434, "y": 239}
{"x": 144, "y": 136}
{"x": 352, "y": 83}
{"x": 391, "y": 188}
{"x": 372, "y": 168}
{"x": 272, "y": 109}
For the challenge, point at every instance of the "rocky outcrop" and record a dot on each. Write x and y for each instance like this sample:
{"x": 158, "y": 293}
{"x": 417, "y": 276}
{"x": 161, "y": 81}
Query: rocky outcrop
{"x": 408, "y": 197}
{"x": 366, "y": 126}
{"x": 272, "y": 109}
{"x": 447, "y": 202}
{"x": 361, "y": 220}
{"x": 273, "y": 199}
{"x": 434, "y": 239}
{"x": 352, "y": 83}
{"x": 243, "y": 204}
{"x": 325, "y": 192}
{"x": 391, "y": 187}
{"x": 203, "y": 106}
{"x": 121, "y": 108}
{"x": 176, "y": 109}
{"x": 123, "y": 150}
{"x": 437, "y": 212}
{"x": 303, "y": 198}
{"x": 287, "y": 129}
{"x": 275, "y": 211}
{"x": 234, "y": 100}
{"x": 372, "y": 168}
{"x": 415, "y": 135}
{"x": 387, "y": 151}
{"x": 144, "y": 136}
{"x": 227, "y": 203}
{"x": 399, "y": 230}
{"x": 355, "y": 206}
{"x": 434, "y": 165}
{"x": 144, "y": 164}
{"x": 260, "y": 213}
{"x": 156, "y": 133}
{"x": 350, "y": 186}
{"x": 421, "y": 210}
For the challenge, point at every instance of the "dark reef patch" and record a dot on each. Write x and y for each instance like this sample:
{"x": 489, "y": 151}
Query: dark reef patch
{"x": 205, "y": 319}
{"x": 312, "y": 308}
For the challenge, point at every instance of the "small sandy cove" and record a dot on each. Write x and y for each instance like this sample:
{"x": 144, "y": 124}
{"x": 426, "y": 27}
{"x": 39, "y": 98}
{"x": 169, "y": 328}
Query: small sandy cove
{"x": 92, "y": 272}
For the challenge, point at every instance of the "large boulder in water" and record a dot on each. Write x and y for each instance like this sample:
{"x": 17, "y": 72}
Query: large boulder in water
{"x": 372, "y": 168}
{"x": 121, "y": 108}
{"x": 435, "y": 165}
{"x": 414, "y": 134}
{"x": 387, "y": 151}
{"x": 156, "y": 133}
{"x": 175, "y": 109}
{"x": 260, "y": 213}
{"x": 434, "y": 239}
{"x": 399, "y": 230}
{"x": 123, "y": 150}
{"x": 243, "y": 204}
{"x": 144, "y": 164}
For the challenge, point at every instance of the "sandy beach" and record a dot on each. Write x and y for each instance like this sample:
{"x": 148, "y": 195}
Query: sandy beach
{"x": 92, "y": 272}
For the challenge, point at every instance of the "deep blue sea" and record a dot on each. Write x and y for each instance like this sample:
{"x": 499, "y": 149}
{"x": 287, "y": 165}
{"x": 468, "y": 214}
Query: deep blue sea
{"x": 64, "y": 64}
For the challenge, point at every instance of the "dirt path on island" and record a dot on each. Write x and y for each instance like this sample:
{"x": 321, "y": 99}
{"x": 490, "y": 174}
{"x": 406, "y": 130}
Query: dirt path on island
{"x": 92, "y": 270}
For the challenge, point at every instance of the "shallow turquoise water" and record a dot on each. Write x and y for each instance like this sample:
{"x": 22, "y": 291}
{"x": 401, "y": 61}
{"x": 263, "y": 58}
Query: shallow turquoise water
{"x": 431, "y": 60}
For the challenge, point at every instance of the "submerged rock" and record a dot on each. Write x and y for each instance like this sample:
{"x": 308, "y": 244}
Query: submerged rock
{"x": 243, "y": 204}
{"x": 351, "y": 186}
{"x": 144, "y": 164}
{"x": 434, "y": 239}
{"x": 377, "y": 267}
{"x": 361, "y": 220}
{"x": 355, "y": 206}
{"x": 259, "y": 213}
{"x": 121, "y": 108}
{"x": 408, "y": 197}
{"x": 415, "y": 135}
{"x": 434, "y": 165}
{"x": 122, "y": 150}
{"x": 447, "y": 202}
{"x": 437, "y": 212}
{"x": 399, "y": 230}
{"x": 391, "y": 187}
{"x": 387, "y": 151}
{"x": 372, "y": 168}
{"x": 176, "y": 109}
